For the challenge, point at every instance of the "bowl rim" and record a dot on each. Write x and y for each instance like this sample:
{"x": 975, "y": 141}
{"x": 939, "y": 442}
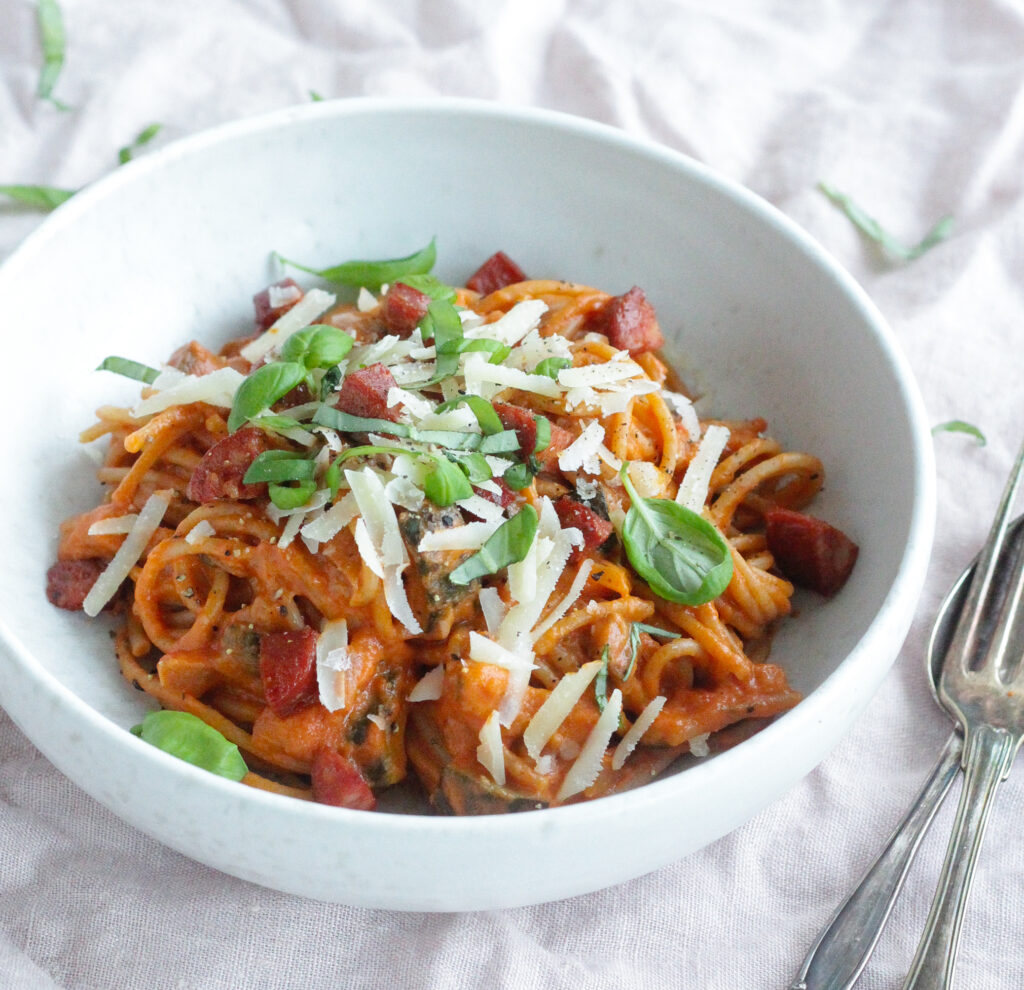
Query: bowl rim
{"x": 892, "y": 618}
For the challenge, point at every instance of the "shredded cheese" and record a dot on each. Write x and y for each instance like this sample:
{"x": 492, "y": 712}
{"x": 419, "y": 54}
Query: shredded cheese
{"x": 217, "y": 388}
{"x": 301, "y": 315}
{"x": 570, "y": 596}
{"x": 332, "y": 664}
{"x": 588, "y": 764}
{"x": 428, "y": 687}
{"x": 113, "y": 525}
{"x": 636, "y": 731}
{"x": 200, "y": 531}
{"x": 693, "y": 489}
{"x": 128, "y": 553}
{"x": 490, "y": 752}
{"x": 583, "y": 452}
{"x": 548, "y": 719}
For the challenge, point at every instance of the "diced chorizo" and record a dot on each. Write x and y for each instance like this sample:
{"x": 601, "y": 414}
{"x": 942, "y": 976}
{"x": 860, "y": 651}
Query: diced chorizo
{"x": 338, "y": 782}
{"x": 220, "y": 471}
{"x": 522, "y": 421}
{"x": 560, "y": 439}
{"x": 69, "y": 581}
{"x": 498, "y": 271}
{"x": 573, "y": 514}
{"x": 808, "y": 551}
{"x": 504, "y": 497}
{"x": 288, "y": 670}
{"x": 194, "y": 359}
{"x": 365, "y": 393}
{"x": 402, "y": 308}
{"x": 274, "y": 301}
{"x": 629, "y": 322}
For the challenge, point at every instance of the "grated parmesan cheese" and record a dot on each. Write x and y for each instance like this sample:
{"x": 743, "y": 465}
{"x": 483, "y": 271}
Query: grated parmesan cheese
{"x": 333, "y": 664}
{"x": 693, "y": 489}
{"x": 429, "y": 686}
{"x": 570, "y": 596}
{"x": 471, "y": 536}
{"x": 200, "y": 531}
{"x": 549, "y": 717}
{"x": 588, "y": 764}
{"x": 583, "y": 452}
{"x": 636, "y": 731}
{"x": 490, "y": 752}
{"x": 493, "y": 607}
{"x": 217, "y": 388}
{"x": 128, "y": 553}
{"x": 113, "y": 525}
{"x": 301, "y": 315}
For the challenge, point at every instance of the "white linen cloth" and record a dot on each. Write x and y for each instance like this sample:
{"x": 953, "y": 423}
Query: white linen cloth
{"x": 914, "y": 107}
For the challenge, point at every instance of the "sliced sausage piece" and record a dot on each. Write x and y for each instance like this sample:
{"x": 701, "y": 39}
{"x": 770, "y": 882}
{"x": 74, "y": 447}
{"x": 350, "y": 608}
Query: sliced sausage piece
{"x": 810, "y": 552}
{"x": 498, "y": 271}
{"x": 365, "y": 393}
{"x": 194, "y": 359}
{"x": 288, "y": 670}
{"x": 338, "y": 782}
{"x": 630, "y": 323}
{"x": 505, "y": 497}
{"x": 274, "y": 301}
{"x": 523, "y": 422}
{"x": 595, "y": 530}
{"x": 402, "y": 308}
{"x": 220, "y": 471}
{"x": 69, "y": 581}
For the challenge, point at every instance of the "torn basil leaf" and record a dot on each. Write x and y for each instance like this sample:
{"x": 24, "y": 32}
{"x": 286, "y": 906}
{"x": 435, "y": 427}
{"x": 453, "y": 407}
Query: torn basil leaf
{"x": 130, "y": 369}
{"x": 190, "y": 739}
{"x": 507, "y": 545}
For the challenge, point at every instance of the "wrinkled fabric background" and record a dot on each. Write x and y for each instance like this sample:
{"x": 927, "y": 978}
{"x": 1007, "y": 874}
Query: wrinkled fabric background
{"x": 915, "y": 108}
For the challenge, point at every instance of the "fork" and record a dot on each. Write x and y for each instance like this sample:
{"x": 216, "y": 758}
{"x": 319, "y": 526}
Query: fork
{"x": 982, "y": 685}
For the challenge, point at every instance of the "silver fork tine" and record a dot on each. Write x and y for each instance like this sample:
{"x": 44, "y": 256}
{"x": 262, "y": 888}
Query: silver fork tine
{"x": 965, "y": 638}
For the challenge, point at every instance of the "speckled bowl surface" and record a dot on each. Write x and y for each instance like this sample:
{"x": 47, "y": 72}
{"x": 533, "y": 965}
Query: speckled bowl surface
{"x": 761, "y": 322}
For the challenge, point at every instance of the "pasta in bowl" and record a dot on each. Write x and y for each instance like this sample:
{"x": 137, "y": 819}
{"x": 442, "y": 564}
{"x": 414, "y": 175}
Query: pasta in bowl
{"x": 478, "y": 532}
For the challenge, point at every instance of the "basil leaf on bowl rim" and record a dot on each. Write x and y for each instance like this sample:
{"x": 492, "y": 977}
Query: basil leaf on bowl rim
{"x": 189, "y": 738}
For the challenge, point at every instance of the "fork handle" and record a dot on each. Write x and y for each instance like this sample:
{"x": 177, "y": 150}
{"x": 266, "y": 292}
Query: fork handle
{"x": 843, "y": 948}
{"x": 988, "y": 756}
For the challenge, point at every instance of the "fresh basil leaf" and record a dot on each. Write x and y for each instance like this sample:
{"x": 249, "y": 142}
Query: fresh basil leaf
{"x": 190, "y": 739}
{"x": 347, "y": 423}
{"x": 507, "y": 545}
{"x": 315, "y": 96}
{"x": 277, "y": 422}
{"x": 543, "y": 434}
{"x": 141, "y": 139}
{"x": 677, "y": 552}
{"x": 446, "y": 484}
{"x": 518, "y": 477}
{"x": 279, "y": 465}
{"x": 41, "y": 197}
{"x": 601, "y": 681}
{"x": 872, "y": 229}
{"x": 550, "y": 367}
{"x": 262, "y": 389}
{"x": 505, "y": 442}
{"x": 635, "y": 628}
{"x": 430, "y": 285}
{"x": 373, "y": 274}
{"x": 51, "y": 34}
{"x": 959, "y": 426}
{"x": 473, "y": 464}
{"x": 318, "y": 346}
{"x": 130, "y": 369}
{"x": 290, "y": 496}
{"x": 484, "y": 412}
{"x": 330, "y": 382}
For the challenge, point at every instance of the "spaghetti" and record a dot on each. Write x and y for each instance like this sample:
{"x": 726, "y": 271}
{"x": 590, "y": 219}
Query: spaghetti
{"x": 480, "y": 532}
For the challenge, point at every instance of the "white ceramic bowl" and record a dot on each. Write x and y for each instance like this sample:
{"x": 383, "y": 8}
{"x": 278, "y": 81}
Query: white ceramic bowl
{"x": 761, "y": 320}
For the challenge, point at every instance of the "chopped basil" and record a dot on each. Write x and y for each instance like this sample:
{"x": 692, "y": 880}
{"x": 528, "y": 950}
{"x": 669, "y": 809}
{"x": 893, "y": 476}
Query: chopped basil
{"x": 430, "y": 285}
{"x": 446, "y": 483}
{"x": 290, "y": 496}
{"x": 872, "y": 229}
{"x": 315, "y": 96}
{"x": 473, "y": 463}
{"x": 277, "y": 422}
{"x": 518, "y": 477}
{"x": 318, "y": 346}
{"x": 485, "y": 414}
{"x": 601, "y": 681}
{"x": 959, "y": 426}
{"x": 41, "y": 197}
{"x": 677, "y": 552}
{"x": 330, "y": 382}
{"x": 279, "y": 465}
{"x": 543, "y": 434}
{"x": 505, "y": 442}
{"x": 190, "y": 739}
{"x": 142, "y": 138}
{"x": 635, "y": 628}
{"x": 373, "y": 274}
{"x": 550, "y": 367}
{"x": 130, "y": 369}
{"x": 347, "y": 423}
{"x": 507, "y": 545}
{"x": 51, "y": 34}
{"x": 262, "y": 389}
